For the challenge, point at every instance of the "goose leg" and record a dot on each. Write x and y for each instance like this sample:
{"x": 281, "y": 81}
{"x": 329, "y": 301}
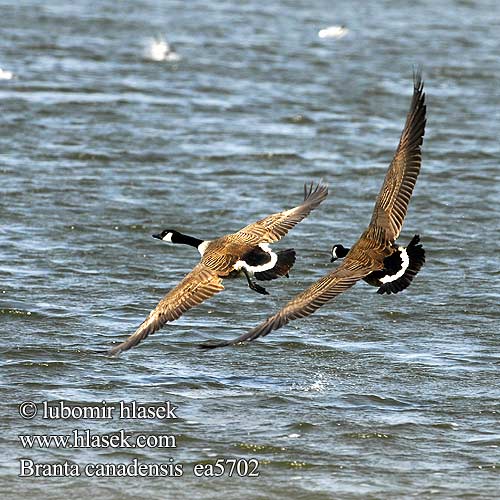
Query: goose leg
{"x": 253, "y": 285}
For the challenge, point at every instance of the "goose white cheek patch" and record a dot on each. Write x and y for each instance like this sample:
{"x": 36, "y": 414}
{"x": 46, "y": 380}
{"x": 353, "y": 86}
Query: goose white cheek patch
{"x": 168, "y": 238}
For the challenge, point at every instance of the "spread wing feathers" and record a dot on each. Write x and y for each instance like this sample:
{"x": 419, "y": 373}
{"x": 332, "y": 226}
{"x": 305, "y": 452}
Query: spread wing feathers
{"x": 306, "y": 303}
{"x": 392, "y": 202}
{"x": 274, "y": 227}
{"x": 200, "y": 284}
{"x": 222, "y": 262}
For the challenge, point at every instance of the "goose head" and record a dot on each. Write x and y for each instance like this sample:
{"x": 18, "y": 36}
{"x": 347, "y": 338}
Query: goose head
{"x": 169, "y": 236}
{"x": 173, "y": 236}
{"x": 338, "y": 252}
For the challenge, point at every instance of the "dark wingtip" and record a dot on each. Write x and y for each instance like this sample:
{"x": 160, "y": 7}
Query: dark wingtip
{"x": 320, "y": 189}
{"x": 114, "y": 352}
{"x": 418, "y": 83}
{"x": 104, "y": 352}
{"x": 210, "y": 344}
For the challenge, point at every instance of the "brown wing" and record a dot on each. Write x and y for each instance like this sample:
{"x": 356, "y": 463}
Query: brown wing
{"x": 304, "y": 304}
{"x": 392, "y": 202}
{"x": 200, "y": 284}
{"x": 222, "y": 254}
{"x": 274, "y": 227}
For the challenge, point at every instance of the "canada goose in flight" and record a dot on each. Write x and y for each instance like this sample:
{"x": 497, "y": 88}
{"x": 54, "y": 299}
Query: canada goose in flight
{"x": 399, "y": 268}
{"x": 246, "y": 252}
{"x": 375, "y": 255}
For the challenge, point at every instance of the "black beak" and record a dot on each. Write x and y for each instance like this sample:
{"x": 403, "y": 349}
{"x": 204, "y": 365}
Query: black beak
{"x": 157, "y": 236}
{"x": 333, "y": 259}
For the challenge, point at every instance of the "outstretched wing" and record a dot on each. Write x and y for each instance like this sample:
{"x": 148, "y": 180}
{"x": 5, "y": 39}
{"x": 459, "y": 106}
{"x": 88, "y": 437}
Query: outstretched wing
{"x": 306, "y": 303}
{"x": 200, "y": 284}
{"x": 274, "y": 227}
{"x": 392, "y": 202}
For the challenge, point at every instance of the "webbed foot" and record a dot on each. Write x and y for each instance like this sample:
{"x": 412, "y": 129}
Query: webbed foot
{"x": 258, "y": 288}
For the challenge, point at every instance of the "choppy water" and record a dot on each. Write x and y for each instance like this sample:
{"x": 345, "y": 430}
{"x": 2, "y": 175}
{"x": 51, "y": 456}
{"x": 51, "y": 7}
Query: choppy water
{"x": 372, "y": 397}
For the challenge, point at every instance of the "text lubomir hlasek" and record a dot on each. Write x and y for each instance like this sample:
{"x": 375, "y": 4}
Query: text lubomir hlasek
{"x": 122, "y": 409}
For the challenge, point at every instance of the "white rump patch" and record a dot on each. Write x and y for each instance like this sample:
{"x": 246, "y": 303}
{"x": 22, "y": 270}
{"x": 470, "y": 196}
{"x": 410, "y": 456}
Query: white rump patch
{"x": 264, "y": 267}
{"x": 404, "y": 266}
{"x": 202, "y": 247}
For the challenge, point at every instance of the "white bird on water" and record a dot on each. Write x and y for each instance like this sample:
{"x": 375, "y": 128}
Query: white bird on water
{"x": 333, "y": 32}
{"x": 6, "y": 75}
{"x": 160, "y": 50}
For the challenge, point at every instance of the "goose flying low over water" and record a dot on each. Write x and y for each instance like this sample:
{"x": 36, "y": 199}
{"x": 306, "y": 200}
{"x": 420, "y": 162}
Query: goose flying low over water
{"x": 399, "y": 268}
{"x": 246, "y": 253}
{"x": 374, "y": 257}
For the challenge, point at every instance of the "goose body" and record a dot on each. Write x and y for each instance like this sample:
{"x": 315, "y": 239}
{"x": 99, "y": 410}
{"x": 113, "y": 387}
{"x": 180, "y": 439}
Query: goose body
{"x": 375, "y": 257}
{"x": 244, "y": 253}
{"x": 400, "y": 267}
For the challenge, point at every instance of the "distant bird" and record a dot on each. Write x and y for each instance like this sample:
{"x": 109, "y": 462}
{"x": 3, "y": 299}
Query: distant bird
{"x": 6, "y": 75}
{"x": 375, "y": 256}
{"x": 245, "y": 253}
{"x": 336, "y": 32}
{"x": 160, "y": 50}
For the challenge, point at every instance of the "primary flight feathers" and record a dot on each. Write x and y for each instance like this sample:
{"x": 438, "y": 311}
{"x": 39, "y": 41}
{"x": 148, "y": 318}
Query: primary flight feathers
{"x": 372, "y": 256}
{"x": 246, "y": 252}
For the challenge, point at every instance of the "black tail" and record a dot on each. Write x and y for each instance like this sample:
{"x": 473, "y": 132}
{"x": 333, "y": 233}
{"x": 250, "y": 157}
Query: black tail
{"x": 286, "y": 259}
{"x": 416, "y": 254}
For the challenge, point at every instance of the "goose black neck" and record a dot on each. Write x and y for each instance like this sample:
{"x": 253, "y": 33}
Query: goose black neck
{"x": 184, "y": 239}
{"x": 344, "y": 252}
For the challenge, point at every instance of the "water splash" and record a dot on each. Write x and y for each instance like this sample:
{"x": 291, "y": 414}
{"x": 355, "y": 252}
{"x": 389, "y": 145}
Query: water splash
{"x": 320, "y": 384}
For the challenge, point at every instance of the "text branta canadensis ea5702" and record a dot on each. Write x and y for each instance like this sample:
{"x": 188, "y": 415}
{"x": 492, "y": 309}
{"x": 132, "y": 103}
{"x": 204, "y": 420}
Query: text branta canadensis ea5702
{"x": 373, "y": 250}
{"x": 246, "y": 253}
